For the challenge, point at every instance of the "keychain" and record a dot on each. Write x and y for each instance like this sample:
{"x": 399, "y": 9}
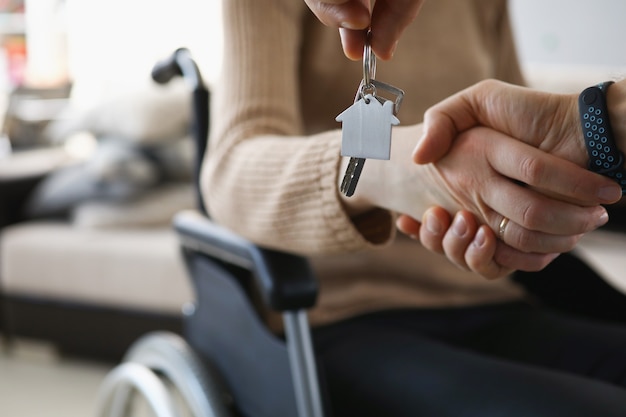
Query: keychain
{"x": 366, "y": 124}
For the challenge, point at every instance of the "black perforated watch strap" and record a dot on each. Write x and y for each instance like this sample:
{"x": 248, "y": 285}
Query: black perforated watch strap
{"x": 604, "y": 156}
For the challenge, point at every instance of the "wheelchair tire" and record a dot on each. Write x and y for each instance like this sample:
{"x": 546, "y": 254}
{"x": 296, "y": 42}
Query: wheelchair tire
{"x": 197, "y": 381}
{"x": 127, "y": 379}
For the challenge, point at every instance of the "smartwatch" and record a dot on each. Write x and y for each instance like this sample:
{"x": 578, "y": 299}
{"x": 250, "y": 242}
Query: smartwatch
{"x": 604, "y": 156}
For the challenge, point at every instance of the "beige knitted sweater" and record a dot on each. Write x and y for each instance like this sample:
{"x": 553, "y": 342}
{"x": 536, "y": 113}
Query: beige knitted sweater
{"x": 271, "y": 172}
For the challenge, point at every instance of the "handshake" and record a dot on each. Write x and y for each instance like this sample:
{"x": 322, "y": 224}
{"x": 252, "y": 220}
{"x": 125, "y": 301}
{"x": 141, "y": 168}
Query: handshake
{"x": 515, "y": 166}
{"x": 507, "y": 181}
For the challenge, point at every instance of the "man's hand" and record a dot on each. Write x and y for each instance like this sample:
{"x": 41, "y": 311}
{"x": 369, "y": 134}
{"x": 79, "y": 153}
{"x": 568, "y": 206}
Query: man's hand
{"x": 543, "y": 120}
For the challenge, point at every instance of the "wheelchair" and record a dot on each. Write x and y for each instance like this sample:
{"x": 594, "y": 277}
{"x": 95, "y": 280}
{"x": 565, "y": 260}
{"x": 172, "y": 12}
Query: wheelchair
{"x": 227, "y": 363}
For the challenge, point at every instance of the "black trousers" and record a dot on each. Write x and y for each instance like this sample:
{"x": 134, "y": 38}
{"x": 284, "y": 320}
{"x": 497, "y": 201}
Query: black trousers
{"x": 509, "y": 360}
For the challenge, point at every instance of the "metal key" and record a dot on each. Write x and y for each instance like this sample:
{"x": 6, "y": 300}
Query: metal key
{"x": 352, "y": 175}
{"x": 366, "y": 128}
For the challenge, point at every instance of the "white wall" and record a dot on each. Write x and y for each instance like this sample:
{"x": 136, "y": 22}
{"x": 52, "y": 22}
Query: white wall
{"x": 113, "y": 44}
{"x": 567, "y": 43}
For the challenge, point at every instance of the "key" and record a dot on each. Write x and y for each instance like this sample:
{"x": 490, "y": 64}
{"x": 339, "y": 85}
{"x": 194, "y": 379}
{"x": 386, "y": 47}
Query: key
{"x": 366, "y": 129}
{"x": 366, "y": 125}
{"x": 352, "y": 175}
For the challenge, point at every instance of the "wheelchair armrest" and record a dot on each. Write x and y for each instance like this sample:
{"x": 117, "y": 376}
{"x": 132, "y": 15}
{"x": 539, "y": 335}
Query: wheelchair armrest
{"x": 286, "y": 281}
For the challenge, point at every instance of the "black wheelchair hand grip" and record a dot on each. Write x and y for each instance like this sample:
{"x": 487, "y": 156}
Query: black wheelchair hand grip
{"x": 166, "y": 69}
{"x": 286, "y": 281}
{"x": 179, "y": 63}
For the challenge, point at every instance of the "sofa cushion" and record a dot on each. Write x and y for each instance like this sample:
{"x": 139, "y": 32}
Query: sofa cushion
{"x": 132, "y": 268}
{"x": 154, "y": 208}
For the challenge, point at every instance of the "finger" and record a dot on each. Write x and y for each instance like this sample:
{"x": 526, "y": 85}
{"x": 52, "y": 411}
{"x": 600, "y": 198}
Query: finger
{"x": 458, "y": 238}
{"x": 509, "y": 257}
{"x": 352, "y": 42}
{"x": 479, "y": 255}
{"x": 408, "y": 225}
{"x": 443, "y": 122}
{"x": 439, "y": 131}
{"x": 525, "y": 206}
{"x": 453, "y": 115}
{"x": 530, "y": 210}
{"x": 470, "y": 107}
{"x": 435, "y": 223}
{"x": 536, "y": 223}
{"x": 350, "y": 14}
{"x": 548, "y": 173}
{"x": 525, "y": 114}
{"x": 352, "y": 17}
{"x": 389, "y": 19}
{"x": 528, "y": 240}
{"x": 492, "y": 259}
{"x": 494, "y": 195}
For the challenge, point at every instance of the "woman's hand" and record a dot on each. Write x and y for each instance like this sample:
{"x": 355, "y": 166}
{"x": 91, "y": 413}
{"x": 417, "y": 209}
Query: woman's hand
{"x": 467, "y": 244}
{"x": 387, "y": 21}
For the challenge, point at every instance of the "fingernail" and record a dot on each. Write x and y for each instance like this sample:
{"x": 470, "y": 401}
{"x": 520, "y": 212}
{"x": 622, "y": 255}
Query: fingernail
{"x": 393, "y": 49}
{"x": 603, "y": 219}
{"x": 610, "y": 194}
{"x": 417, "y": 147}
{"x": 459, "y": 226}
{"x": 432, "y": 224}
{"x": 479, "y": 239}
{"x": 424, "y": 133}
{"x": 349, "y": 25}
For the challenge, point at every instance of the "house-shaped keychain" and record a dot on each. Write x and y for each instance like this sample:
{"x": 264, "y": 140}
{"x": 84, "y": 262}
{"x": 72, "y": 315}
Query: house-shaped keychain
{"x": 366, "y": 128}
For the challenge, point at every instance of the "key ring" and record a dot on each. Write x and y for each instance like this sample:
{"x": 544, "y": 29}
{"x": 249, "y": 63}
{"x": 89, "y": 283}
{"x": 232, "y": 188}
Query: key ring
{"x": 369, "y": 62}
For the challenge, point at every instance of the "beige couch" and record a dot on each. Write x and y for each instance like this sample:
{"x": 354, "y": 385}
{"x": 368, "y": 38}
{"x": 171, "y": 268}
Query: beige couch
{"x": 92, "y": 268}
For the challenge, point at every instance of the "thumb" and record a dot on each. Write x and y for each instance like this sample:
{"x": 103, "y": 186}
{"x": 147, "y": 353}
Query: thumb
{"x": 351, "y": 14}
{"x": 444, "y": 121}
{"x": 438, "y": 133}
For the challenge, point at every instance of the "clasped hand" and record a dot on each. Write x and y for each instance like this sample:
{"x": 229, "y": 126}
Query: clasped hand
{"x": 533, "y": 173}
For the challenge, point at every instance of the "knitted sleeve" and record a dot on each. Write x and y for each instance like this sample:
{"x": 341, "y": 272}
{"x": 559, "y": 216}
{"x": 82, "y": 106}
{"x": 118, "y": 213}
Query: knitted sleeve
{"x": 262, "y": 177}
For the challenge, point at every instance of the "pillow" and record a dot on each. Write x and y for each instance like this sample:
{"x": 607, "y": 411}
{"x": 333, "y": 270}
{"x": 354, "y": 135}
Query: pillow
{"x": 149, "y": 114}
{"x": 154, "y": 208}
{"x": 116, "y": 171}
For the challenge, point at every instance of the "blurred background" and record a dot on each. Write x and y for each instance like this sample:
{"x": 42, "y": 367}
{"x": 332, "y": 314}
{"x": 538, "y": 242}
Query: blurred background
{"x": 87, "y": 258}
{"x": 99, "y": 48}
{"x": 565, "y": 44}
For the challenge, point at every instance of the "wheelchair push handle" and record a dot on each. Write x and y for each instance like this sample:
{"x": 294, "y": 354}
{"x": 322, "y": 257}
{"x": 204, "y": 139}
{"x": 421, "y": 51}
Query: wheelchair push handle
{"x": 181, "y": 63}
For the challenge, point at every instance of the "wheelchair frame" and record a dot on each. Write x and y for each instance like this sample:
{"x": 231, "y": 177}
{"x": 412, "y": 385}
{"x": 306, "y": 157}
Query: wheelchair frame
{"x": 215, "y": 367}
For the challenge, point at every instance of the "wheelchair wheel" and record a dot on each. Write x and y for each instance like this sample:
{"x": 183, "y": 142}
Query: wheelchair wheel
{"x": 196, "y": 381}
{"x": 116, "y": 392}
